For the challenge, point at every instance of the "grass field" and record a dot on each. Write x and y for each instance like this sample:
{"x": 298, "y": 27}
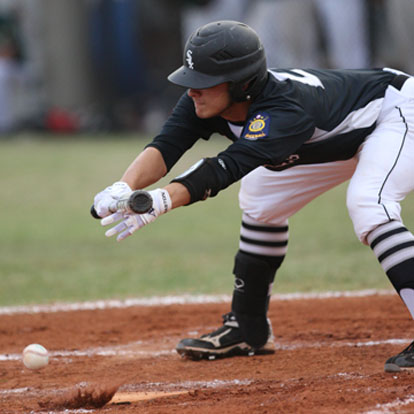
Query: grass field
{"x": 52, "y": 250}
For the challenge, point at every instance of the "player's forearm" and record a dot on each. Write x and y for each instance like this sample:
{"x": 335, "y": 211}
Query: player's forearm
{"x": 145, "y": 170}
{"x": 179, "y": 194}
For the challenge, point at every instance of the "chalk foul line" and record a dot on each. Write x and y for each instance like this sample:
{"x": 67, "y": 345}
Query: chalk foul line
{"x": 175, "y": 300}
{"x": 141, "y": 349}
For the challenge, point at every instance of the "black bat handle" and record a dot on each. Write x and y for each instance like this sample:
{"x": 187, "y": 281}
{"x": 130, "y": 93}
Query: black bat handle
{"x": 94, "y": 214}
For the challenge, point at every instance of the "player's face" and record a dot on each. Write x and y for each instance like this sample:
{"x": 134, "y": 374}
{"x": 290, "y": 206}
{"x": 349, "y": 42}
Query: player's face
{"x": 211, "y": 101}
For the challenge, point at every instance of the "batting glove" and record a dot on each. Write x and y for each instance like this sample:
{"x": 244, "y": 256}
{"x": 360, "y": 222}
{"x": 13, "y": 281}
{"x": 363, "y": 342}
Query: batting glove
{"x": 132, "y": 222}
{"x": 105, "y": 198}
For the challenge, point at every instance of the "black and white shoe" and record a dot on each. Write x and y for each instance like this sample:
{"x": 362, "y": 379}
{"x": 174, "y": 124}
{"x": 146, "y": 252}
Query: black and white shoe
{"x": 224, "y": 342}
{"x": 402, "y": 361}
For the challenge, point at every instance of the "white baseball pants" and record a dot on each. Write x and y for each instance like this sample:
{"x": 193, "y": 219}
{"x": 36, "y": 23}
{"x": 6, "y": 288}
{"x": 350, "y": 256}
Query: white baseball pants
{"x": 381, "y": 174}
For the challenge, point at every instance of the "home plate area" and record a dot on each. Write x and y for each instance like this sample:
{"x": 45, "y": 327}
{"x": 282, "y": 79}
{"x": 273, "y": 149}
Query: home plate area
{"x": 119, "y": 357}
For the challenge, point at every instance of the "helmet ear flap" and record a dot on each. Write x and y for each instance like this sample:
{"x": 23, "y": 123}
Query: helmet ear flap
{"x": 238, "y": 92}
{"x": 248, "y": 89}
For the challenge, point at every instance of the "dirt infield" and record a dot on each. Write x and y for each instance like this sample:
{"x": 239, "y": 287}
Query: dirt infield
{"x": 330, "y": 359}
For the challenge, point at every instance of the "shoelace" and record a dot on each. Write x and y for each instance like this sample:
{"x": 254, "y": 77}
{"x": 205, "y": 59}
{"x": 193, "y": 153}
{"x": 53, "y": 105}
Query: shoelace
{"x": 228, "y": 317}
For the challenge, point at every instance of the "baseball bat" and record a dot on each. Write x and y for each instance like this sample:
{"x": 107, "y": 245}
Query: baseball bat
{"x": 139, "y": 202}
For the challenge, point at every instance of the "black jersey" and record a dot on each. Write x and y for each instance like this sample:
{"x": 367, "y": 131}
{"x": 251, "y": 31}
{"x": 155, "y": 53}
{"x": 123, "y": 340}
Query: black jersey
{"x": 301, "y": 117}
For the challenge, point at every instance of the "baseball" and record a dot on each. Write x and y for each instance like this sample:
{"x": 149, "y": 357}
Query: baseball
{"x": 35, "y": 356}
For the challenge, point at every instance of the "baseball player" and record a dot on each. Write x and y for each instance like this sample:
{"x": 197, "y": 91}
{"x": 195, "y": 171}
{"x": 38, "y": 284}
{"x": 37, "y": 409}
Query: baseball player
{"x": 294, "y": 134}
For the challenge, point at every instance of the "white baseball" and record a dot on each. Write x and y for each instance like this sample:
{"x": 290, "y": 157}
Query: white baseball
{"x": 35, "y": 356}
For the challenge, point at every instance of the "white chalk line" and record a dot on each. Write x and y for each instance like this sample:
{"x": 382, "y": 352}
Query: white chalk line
{"x": 396, "y": 404}
{"x": 175, "y": 300}
{"x": 130, "y": 350}
{"x": 119, "y": 351}
{"x": 339, "y": 344}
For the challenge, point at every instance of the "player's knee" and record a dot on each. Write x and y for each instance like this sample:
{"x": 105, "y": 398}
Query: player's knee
{"x": 359, "y": 208}
{"x": 368, "y": 211}
{"x": 358, "y": 201}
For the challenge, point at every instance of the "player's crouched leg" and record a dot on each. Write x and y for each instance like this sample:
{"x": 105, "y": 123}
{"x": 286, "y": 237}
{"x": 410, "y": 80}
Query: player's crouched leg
{"x": 377, "y": 222}
{"x": 246, "y": 329}
{"x": 393, "y": 245}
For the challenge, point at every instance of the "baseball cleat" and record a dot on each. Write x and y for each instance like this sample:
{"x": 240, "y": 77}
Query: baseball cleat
{"x": 224, "y": 342}
{"x": 402, "y": 361}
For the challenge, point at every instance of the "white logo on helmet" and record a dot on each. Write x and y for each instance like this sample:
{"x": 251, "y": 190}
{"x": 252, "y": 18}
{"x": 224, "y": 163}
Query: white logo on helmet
{"x": 189, "y": 59}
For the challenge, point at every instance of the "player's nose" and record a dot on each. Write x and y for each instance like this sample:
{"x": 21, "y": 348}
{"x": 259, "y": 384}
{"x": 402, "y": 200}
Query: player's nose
{"x": 193, "y": 92}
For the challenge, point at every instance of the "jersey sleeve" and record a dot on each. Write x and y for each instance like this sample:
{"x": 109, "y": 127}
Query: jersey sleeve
{"x": 180, "y": 132}
{"x": 266, "y": 139}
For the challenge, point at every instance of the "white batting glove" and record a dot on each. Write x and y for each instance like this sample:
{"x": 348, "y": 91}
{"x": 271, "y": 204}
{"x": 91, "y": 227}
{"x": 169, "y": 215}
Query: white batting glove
{"x": 105, "y": 198}
{"x": 132, "y": 222}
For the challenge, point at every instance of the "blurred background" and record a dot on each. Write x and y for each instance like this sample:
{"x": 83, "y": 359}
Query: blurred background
{"x": 101, "y": 65}
{"x": 83, "y": 88}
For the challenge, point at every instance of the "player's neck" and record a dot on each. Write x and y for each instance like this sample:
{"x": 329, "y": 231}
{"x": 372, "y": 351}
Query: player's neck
{"x": 236, "y": 112}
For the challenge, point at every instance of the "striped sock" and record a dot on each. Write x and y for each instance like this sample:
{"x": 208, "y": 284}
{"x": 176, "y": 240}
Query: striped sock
{"x": 264, "y": 240}
{"x": 393, "y": 245}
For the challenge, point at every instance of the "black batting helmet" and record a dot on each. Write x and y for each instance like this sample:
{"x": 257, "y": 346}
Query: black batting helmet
{"x": 223, "y": 51}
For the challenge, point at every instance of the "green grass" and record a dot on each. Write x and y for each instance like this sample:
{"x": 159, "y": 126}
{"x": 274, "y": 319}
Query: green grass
{"x": 52, "y": 250}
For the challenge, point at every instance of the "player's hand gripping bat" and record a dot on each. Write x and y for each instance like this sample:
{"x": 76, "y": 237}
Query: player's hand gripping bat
{"x": 139, "y": 202}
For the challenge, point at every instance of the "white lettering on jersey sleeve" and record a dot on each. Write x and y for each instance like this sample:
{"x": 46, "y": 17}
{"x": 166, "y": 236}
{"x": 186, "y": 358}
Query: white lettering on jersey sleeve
{"x": 395, "y": 71}
{"x": 303, "y": 77}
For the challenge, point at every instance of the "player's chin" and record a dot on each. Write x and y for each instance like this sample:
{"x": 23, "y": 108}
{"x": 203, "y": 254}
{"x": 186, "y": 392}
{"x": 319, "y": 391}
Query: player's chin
{"x": 204, "y": 112}
{"x": 201, "y": 111}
